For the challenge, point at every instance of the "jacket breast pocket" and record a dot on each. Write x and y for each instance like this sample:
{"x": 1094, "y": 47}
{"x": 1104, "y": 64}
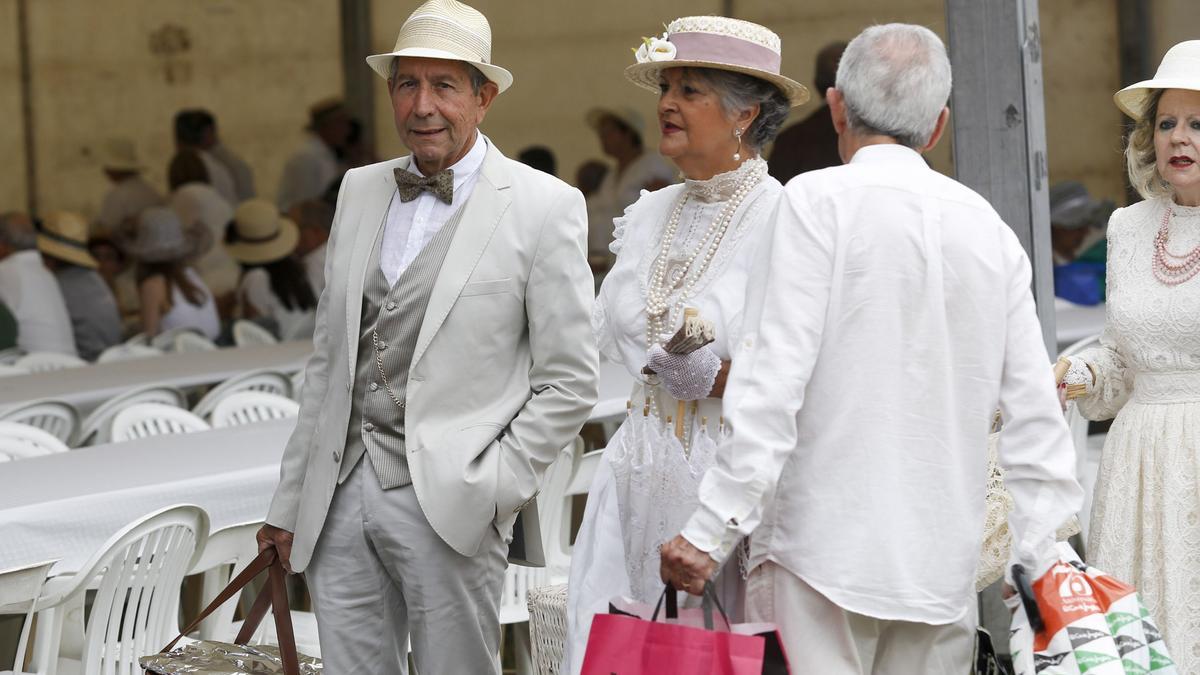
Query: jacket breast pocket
{"x": 490, "y": 287}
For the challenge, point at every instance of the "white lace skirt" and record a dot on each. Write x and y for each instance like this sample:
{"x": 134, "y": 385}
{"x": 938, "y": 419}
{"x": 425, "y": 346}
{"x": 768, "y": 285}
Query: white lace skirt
{"x": 1145, "y": 526}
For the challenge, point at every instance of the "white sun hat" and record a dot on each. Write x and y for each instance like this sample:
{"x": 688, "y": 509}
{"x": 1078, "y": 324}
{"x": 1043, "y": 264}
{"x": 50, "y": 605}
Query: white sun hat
{"x": 1180, "y": 69}
{"x": 715, "y": 42}
{"x": 445, "y": 29}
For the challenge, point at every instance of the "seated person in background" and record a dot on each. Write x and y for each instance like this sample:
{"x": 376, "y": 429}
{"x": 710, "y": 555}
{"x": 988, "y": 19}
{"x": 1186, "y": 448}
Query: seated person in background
{"x": 314, "y": 218}
{"x": 539, "y": 157}
{"x": 1077, "y": 239}
{"x": 130, "y": 193}
{"x": 172, "y": 293}
{"x": 95, "y": 319}
{"x": 30, "y": 291}
{"x": 114, "y": 268}
{"x": 274, "y": 284}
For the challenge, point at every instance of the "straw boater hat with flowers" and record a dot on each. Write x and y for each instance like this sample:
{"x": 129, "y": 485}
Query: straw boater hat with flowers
{"x": 714, "y": 42}
{"x": 1180, "y": 69}
{"x": 445, "y": 29}
{"x": 260, "y": 234}
{"x": 159, "y": 236}
{"x": 63, "y": 235}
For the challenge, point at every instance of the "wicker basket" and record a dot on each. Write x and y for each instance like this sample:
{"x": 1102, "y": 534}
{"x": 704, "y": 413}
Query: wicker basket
{"x": 547, "y": 627}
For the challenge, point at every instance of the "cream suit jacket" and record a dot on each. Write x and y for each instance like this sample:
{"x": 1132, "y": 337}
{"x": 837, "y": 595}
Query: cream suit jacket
{"x": 505, "y": 368}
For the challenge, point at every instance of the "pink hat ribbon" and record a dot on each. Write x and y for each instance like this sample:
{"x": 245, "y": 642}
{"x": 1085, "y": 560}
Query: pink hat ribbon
{"x": 724, "y": 49}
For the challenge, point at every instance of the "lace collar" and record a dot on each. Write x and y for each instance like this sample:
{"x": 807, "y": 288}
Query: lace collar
{"x": 721, "y": 186}
{"x": 1184, "y": 212}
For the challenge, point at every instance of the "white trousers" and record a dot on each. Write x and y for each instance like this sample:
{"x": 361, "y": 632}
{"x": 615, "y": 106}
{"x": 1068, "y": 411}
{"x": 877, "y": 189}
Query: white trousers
{"x": 820, "y": 637}
{"x": 381, "y": 575}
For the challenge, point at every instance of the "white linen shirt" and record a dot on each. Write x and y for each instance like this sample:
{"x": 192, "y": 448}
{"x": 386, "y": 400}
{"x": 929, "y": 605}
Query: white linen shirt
{"x": 895, "y": 317}
{"x": 308, "y": 173}
{"x": 36, "y": 302}
{"x": 412, "y": 225}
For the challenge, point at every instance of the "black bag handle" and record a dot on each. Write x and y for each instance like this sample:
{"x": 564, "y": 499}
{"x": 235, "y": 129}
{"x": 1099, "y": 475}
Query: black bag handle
{"x": 709, "y": 601}
{"x": 1025, "y": 590}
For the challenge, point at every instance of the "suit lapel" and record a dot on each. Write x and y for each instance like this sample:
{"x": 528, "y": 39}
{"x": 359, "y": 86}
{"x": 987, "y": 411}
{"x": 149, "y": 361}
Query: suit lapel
{"x": 368, "y": 229}
{"x": 487, "y": 204}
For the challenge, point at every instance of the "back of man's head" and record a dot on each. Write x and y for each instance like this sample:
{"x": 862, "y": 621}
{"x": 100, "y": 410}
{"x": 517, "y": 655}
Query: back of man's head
{"x": 895, "y": 80}
{"x": 16, "y": 232}
{"x": 194, "y": 128}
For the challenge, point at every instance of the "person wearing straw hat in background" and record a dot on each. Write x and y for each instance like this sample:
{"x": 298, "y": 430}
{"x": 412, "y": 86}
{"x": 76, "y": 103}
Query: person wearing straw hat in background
{"x": 721, "y": 100}
{"x": 130, "y": 194}
{"x": 895, "y": 315}
{"x": 621, "y": 131}
{"x": 30, "y": 291}
{"x": 95, "y": 319}
{"x": 274, "y": 284}
{"x": 314, "y": 165}
{"x": 172, "y": 293}
{"x": 452, "y": 362}
{"x": 1145, "y": 525}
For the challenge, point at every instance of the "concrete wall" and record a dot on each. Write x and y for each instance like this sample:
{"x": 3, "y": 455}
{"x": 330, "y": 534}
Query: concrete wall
{"x": 12, "y": 143}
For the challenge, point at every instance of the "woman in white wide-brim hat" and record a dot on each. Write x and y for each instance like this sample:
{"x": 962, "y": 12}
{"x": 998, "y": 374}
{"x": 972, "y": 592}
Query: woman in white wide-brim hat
{"x": 721, "y": 99}
{"x": 274, "y": 283}
{"x": 1145, "y": 525}
{"x": 172, "y": 293}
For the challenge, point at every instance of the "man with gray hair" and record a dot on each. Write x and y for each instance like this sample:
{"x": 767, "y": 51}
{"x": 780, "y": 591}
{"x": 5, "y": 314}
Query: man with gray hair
{"x": 30, "y": 291}
{"x": 896, "y": 317}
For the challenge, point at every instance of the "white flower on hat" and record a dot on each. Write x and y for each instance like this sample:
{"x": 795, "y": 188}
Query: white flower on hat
{"x": 655, "y": 49}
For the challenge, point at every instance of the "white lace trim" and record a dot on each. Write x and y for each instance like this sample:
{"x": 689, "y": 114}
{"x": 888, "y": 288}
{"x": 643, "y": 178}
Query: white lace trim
{"x": 720, "y": 25}
{"x": 721, "y": 186}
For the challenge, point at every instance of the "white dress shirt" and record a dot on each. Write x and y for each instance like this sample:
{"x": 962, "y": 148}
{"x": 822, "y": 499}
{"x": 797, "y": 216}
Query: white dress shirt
{"x": 896, "y": 316}
{"x": 36, "y": 302}
{"x": 308, "y": 173}
{"x": 412, "y": 225}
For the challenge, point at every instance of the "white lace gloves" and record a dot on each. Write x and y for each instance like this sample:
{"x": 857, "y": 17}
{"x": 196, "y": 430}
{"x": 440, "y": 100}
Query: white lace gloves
{"x": 1075, "y": 378}
{"x": 687, "y": 377}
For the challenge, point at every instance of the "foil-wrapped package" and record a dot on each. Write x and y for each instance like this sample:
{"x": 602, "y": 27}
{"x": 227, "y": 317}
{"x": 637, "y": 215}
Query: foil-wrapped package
{"x": 223, "y": 658}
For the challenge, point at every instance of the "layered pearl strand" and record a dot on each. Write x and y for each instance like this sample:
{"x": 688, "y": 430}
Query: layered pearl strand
{"x": 1171, "y": 269}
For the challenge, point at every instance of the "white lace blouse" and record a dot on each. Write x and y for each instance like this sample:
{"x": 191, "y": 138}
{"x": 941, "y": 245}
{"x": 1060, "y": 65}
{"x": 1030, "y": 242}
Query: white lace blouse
{"x": 619, "y": 314}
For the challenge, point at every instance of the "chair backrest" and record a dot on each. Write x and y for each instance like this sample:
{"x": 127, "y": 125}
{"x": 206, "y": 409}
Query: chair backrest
{"x": 20, "y": 589}
{"x": 193, "y": 342}
{"x": 41, "y": 362}
{"x": 138, "y": 339}
{"x": 165, "y": 341}
{"x": 7, "y": 370}
{"x": 154, "y": 419}
{"x": 248, "y": 407}
{"x": 554, "y": 508}
{"x": 9, "y": 356}
{"x": 226, "y": 553}
{"x": 57, "y": 418}
{"x": 1079, "y": 435}
{"x": 97, "y": 426}
{"x": 127, "y": 351}
{"x": 249, "y": 333}
{"x": 21, "y": 441}
{"x": 136, "y": 577}
{"x": 269, "y": 381}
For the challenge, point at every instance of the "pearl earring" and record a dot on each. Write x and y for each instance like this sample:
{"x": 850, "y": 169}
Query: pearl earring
{"x": 737, "y": 156}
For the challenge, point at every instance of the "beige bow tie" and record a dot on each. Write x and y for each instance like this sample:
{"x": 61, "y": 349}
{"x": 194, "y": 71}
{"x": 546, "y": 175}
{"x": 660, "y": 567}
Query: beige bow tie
{"x": 411, "y": 185}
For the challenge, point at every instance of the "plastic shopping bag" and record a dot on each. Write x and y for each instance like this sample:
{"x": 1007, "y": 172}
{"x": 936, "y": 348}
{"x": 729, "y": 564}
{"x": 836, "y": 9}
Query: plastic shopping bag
{"x": 1077, "y": 620}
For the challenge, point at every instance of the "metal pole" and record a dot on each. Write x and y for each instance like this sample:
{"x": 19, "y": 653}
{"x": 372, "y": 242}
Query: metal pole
{"x": 27, "y": 120}
{"x": 998, "y": 116}
{"x": 358, "y": 79}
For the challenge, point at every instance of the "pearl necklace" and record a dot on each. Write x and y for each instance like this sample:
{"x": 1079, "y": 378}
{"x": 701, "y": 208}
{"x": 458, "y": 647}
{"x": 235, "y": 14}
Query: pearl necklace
{"x": 1171, "y": 269}
{"x": 658, "y": 306}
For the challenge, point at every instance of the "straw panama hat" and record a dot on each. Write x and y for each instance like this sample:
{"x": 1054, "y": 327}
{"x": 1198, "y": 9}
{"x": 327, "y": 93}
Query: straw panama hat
{"x": 715, "y": 42}
{"x": 63, "y": 235}
{"x": 159, "y": 236}
{"x": 119, "y": 154}
{"x": 263, "y": 236}
{"x": 1180, "y": 69}
{"x": 628, "y": 116}
{"x": 445, "y": 29}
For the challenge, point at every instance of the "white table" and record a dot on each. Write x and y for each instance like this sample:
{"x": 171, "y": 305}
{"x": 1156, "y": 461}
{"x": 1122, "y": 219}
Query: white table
{"x": 67, "y": 505}
{"x": 1073, "y": 323}
{"x": 89, "y": 386}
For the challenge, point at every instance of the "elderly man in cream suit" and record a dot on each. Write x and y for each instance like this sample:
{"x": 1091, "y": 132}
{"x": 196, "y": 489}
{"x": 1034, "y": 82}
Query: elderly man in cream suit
{"x": 453, "y": 360}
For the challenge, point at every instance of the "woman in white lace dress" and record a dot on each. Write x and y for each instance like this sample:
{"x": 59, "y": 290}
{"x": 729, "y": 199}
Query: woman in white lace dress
{"x": 1145, "y": 525}
{"x": 685, "y": 246}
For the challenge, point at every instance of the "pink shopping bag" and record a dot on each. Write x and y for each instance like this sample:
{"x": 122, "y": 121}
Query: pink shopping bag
{"x": 622, "y": 643}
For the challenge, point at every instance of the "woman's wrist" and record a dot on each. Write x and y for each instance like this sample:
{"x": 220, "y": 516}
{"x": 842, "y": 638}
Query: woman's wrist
{"x": 1079, "y": 377}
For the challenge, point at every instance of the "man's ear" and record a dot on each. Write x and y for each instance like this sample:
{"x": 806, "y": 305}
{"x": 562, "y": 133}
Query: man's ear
{"x": 488, "y": 93}
{"x": 938, "y": 130}
{"x": 837, "y": 109}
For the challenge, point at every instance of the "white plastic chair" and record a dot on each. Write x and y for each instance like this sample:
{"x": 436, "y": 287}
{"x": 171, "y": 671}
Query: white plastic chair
{"x": 97, "y": 426}
{"x": 1079, "y": 436}
{"x": 268, "y": 381}
{"x": 154, "y": 419}
{"x": 126, "y": 351}
{"x": 43, "y": 362}
{"x": 21, "y": 441}
{"x": 249, "y": 333}
{"x": 19, "y": 590}
{"x": 226, "y": 553}
{"x": 193, "y": 342}
{"x": 7, "y": 370}
{"x": 164, "y": 341}
{"x": 136, "y": 577}
{"x": 57, "y": 418}
{"x": 248, "y": 407}
{"x": 9, "y": 356}
{"x": 138, "y": 339}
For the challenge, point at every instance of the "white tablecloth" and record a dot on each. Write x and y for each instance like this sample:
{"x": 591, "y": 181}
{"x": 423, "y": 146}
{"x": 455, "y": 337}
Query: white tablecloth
{"x": 67, "y": 505}
{"x": 89, "y": 386}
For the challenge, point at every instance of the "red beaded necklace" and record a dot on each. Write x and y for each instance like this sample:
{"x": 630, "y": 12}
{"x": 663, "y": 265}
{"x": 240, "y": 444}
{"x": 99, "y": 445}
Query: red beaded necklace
{"x": 1171, "y": 269}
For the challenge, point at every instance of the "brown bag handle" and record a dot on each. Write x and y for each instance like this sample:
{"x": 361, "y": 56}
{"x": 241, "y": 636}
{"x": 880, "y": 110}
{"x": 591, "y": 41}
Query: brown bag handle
{"x": 273, "y": 594}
